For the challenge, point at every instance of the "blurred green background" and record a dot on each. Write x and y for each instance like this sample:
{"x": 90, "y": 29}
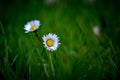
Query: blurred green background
{"x": 82, "y": 55}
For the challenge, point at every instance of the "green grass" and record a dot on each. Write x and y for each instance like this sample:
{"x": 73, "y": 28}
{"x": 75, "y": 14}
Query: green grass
{"x": 81, "y": 55}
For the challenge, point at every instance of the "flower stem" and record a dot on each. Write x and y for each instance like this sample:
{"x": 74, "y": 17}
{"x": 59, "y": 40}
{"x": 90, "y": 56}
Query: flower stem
{"x": 38, "y": 37}
{"x": 44, "y": 67}
{"x": 51, "y": 63}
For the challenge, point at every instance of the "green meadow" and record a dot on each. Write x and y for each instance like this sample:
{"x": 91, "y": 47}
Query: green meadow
{"x": 82, "y": 55}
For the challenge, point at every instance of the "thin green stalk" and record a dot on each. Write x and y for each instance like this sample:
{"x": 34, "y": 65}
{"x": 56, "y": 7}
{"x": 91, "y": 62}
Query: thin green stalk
{"x": 51, "y": 63}
{"x": 38, "y": 37}
{"x": 44, "y": 67}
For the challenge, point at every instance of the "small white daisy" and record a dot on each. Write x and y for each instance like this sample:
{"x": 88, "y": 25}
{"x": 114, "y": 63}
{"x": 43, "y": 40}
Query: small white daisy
{"x": 32, "y": 26}
{"x": 49, "y": 2}
{"x": 51, "y": 41}
{"x": 96, "y": 30}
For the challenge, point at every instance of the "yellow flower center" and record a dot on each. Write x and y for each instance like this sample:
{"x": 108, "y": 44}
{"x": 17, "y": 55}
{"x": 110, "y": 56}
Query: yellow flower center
{"x": 33, "y": 27}
{"x": 49, "y": 42}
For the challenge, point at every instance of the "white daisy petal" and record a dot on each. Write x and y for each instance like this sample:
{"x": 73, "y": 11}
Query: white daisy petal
{"x": 32, "y": 26}
{"x": 26, "y": 31}
{"x": 51, "y": 42}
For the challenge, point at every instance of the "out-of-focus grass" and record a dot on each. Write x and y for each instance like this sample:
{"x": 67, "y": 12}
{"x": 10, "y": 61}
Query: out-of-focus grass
{"x": 81, "y": 55}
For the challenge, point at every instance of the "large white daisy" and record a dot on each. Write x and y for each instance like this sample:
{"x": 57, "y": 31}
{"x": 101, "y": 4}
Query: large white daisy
{"x": 51, "y": 41}
{"x": 32, "y": 26}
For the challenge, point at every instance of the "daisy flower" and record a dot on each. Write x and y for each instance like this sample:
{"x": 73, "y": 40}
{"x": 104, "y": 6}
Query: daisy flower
{"x": 96, "y": 30}
{"x": 49, "y": 2}
{"x": 32, "y": 26}
{"x": 51, "y": 41}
